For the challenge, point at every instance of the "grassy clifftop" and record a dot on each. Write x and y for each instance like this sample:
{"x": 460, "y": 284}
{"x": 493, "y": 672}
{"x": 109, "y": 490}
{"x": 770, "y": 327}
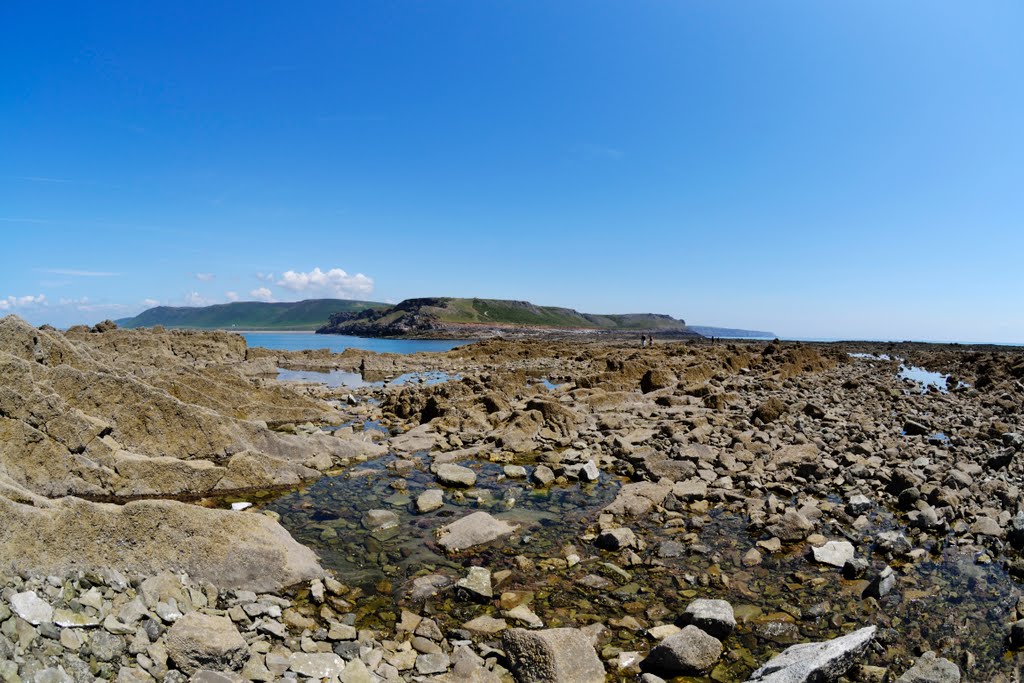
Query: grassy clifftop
{"x": 250, "y": 315}
{"x": 439, "y": 314}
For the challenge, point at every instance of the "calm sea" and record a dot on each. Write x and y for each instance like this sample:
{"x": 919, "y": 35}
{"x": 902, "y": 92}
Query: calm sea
{"x": 300, "y": 341}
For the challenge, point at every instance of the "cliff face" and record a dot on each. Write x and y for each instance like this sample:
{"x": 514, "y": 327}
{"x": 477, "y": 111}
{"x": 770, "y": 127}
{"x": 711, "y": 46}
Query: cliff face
{"x": 453, "y": 317}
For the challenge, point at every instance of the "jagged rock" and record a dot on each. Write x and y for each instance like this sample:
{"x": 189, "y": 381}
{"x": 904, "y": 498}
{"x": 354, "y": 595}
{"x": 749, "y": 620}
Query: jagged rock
{"x": 714, "y": 617}
{"x": 31, "y": 608}
{"x": 792, "y": 526}
{"x": 560, "y": 655}
{"x": 198, "y": 640}
{"x": 477, "y": 584}
{"x": 689, "y": 652}
{"x": 472, "y": 530}
{"x": 930, "y": 668}
{"x": 822, "y": 662}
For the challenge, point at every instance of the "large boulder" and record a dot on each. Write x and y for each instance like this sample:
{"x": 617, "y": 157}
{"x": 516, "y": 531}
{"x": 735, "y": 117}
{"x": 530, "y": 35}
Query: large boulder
{"x": 690, "y": 651}
{"x": 557, "y": 655}
{"x": 822, "y": 662}
{"x": 197, "y": 641}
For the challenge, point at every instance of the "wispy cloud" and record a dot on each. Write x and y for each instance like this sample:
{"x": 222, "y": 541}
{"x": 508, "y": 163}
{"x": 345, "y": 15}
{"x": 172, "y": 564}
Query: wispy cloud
{"x": 231, "y": 296}
{"x": 205, "y": 277}
{"x": 77, "y": 273}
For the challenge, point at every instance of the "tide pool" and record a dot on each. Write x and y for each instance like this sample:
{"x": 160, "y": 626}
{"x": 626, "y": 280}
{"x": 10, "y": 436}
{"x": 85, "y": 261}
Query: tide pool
{"x": 301, "y": 341}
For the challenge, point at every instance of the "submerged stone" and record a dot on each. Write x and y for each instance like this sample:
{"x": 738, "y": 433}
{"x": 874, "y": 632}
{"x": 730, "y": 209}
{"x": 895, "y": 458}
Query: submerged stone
{"x": 473, "y": 530}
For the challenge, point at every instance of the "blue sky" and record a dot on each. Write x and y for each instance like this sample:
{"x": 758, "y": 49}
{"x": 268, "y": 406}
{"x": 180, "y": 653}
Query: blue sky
{"x": 818, "y": 169}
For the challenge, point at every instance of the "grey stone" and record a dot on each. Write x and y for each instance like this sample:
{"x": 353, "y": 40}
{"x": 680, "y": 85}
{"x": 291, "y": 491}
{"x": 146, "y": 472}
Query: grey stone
{"x": 472, "y": 530}
{"x": 858, "y": 504}
{"x": 930, "y": 668}
{"x": 543, "y": 476}
{"x": 833, "y": 553}
{"x": 199, "y": 640}
{"x": 792, "y": 526}
{"x": 559, "y": 655}
{"x": 432, "y": 663}
{"x": 317, "y": 665}
{"x": 882, "y": 584}
{"x": 106, "y": 647}
{"x": 691, "y": 651}
{"x": 31, "y": 608}
{"x": 813, "y": 662}
{"x": 430, "y": 500}
{"x": 356, "y": 672}
{"x": 617, "y": 539}
{"x": 714, "y": 617}
{"x": 380, "y": 520}
{"x": 477, "y": 584}
{"x": 514, "y": 471}
{"x": 455, "y": 475}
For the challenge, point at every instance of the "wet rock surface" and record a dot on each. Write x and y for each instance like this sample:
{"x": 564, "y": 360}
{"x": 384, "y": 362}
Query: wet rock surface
{"x": 626, "y": 487}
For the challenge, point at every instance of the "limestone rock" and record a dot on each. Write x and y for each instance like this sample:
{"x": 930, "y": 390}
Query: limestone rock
{"x": 199, "y": 640}
{"x": 813, "y": 662}
{"x": 930, "y": 668}
{"x": 32, "y": 608}
{"x": 472, "y": 530}
{"x": 833, "y": 553}
{"x": 559, "y": 655}
{"x": 691, "y": 651}
{"x": 455, "y": 475}
{"x": 714, "y": 617}
{"x": 430, "y": 500}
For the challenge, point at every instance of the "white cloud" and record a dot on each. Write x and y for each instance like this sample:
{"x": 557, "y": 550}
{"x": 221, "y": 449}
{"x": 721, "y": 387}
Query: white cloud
{"x": 205, "y": 277}
{"x": 262, "y": 294}
{"x": 334, "y": 283}
{"x": 265, "y": 277}
{"x": 231, "y": 296}
{"x": 28, "y": 301}
{"x": 196, "y": 299}
{"x": 150, "y": 303}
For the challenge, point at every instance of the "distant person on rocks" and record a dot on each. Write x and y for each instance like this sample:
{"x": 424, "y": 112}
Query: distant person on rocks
{"x": 650, "y": 340}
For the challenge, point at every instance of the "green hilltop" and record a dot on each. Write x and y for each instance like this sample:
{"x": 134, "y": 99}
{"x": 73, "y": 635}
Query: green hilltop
{"x": 436, "y": 315}
{"x": 305, "y": 315}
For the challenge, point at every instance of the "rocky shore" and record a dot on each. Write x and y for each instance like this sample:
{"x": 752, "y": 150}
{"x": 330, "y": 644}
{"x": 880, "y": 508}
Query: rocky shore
{"x": 542, "y": 510}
